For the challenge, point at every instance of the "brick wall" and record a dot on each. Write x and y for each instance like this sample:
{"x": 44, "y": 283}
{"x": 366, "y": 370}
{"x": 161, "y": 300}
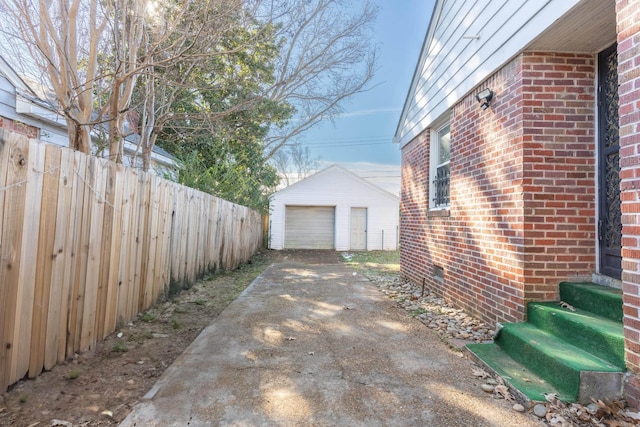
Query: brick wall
{"x": 415, "y": 259}
{"x": 476, "y": 242}
{"x": 486, "y": 200}
{"x": 560, "y": 167}
{"x": 628, "y": 17}
{"x": 19, "y": 127}
{"x": 522, "y": 191}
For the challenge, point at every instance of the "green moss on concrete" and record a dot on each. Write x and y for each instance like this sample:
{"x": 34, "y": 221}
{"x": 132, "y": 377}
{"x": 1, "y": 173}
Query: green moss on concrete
{"x": 601, "y": 336}
{"x": 600, "y": 300}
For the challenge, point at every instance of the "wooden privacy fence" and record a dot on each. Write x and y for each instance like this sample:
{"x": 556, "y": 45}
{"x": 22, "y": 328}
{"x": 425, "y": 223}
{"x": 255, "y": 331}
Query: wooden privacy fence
{"x": 86, "y": 245}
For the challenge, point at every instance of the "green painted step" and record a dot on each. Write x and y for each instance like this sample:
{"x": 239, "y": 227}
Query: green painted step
{"x": 515, "y": 374}
{"x": 553, "y": 359}
{"x": 600, "y": 300}
{"x": 601, "y": 336}
{"x": 576, "y": 352}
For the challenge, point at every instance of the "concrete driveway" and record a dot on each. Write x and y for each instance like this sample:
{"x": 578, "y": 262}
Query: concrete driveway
{"x": 318, "y": 345}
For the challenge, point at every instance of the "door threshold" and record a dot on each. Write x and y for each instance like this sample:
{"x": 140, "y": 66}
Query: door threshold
{"x": 602, "y": 280}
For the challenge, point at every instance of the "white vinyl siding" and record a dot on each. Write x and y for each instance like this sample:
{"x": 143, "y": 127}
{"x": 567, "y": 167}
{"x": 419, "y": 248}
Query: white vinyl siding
{"x": 8, "y": 100}
{"x": 467, "y": 42}
{"x": 309, "y": 227}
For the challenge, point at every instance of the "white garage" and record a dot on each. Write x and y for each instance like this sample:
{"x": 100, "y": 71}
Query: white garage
{"x": 333, "y": 209}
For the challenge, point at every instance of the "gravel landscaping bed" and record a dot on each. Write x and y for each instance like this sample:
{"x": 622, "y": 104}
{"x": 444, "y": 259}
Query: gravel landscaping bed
{"x": 451, "y": 324}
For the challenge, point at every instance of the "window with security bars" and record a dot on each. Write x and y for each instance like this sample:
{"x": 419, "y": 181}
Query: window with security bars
{"x": 440, "y": 152}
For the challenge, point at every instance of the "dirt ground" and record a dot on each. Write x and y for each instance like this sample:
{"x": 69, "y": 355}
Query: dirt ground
{"x": 99, "y": 387}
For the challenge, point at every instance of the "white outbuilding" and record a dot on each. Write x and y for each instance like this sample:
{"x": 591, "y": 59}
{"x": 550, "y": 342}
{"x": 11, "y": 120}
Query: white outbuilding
{"x": 333, "y": 209}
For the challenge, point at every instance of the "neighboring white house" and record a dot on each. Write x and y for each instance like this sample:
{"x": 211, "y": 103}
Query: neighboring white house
{"x": 333, "y": 209}
{"x": 23, "y": 109}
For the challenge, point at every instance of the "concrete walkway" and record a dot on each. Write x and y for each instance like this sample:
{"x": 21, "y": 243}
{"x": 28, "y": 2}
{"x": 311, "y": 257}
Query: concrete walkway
{"x": 319, "y": 345}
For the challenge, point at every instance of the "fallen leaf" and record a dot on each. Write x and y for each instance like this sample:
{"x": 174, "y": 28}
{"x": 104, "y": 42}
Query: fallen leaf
{"x": 311, "y": 353}
{"x": 566, "y": 305}
{"x": 291, "y": 338}
{"x": 602, "y": 405}
{"x": 616, "y": 423}
{"x": 551, "y": 397}
{"x": 632, "y": 415}
{"x": 503, "y": 391}
{"x": 477, "y": 372}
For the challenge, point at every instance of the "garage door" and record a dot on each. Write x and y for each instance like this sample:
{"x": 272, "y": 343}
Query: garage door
{"x": 309, "y": 227}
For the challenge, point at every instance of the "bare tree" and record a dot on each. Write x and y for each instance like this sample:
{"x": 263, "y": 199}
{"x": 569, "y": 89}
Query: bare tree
{"x": 326, "y": 58}
{"x": 294, "y": 163}
{"x": 97, "y": 53}
{"x": 191, "y": 79}
{"x": 92, "y": 52}
{"x": 63, "y": 39}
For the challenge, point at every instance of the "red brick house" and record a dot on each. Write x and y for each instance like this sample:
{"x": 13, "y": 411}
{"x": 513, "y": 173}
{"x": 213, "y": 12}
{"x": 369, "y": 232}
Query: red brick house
{"x": 505, "y": 196}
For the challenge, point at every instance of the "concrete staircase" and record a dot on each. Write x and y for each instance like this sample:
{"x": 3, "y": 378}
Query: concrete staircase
{"x": 574, "y": 348}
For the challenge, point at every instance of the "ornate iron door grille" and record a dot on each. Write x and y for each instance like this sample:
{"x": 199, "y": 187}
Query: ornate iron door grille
{"x": 610, "y": 217}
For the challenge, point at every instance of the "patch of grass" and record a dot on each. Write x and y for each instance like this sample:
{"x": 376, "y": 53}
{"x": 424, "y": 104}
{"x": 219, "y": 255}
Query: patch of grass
{"x": 119, "y": 347}
{"x": 148, "y": 316}
{"x": 174, "y": 289}
{"x": 23, "y": 398}
{"x": 73, "y": 375}
{"x": 180, "y": 309}
{"x": 139, "y": 338}
{"x": 175, "y": 324}
{"x": 418, "y": 312}
{"x": 374, "y": 260}
{"x": 200, "y": 301}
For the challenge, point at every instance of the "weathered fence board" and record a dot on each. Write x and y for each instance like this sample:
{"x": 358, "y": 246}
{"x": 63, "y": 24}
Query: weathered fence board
{"x": 85, "y": 245}
{"x": 44, "y": 262}
{"x": 12, "y": 230}
{"x": 112, "y": 281}
{"x": 61, "y": 268}
{"x": 4, "y": 163}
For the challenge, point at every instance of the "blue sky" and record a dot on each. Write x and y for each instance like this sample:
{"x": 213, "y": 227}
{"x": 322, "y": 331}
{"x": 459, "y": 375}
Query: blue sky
{"x": 362, "y": 138}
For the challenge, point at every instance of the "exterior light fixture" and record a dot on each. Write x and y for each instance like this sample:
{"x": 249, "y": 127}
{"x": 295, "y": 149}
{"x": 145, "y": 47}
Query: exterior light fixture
{"x": 484, "y": 97}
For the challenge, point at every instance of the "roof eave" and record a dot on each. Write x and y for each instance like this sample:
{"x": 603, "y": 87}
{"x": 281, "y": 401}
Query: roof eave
{"x": 435, "y": 16}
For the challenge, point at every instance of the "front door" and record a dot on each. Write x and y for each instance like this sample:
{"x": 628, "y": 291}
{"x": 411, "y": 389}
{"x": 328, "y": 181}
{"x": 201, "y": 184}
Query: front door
{"x": 609, "y": 215}
{"x": 358, "y": 229}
